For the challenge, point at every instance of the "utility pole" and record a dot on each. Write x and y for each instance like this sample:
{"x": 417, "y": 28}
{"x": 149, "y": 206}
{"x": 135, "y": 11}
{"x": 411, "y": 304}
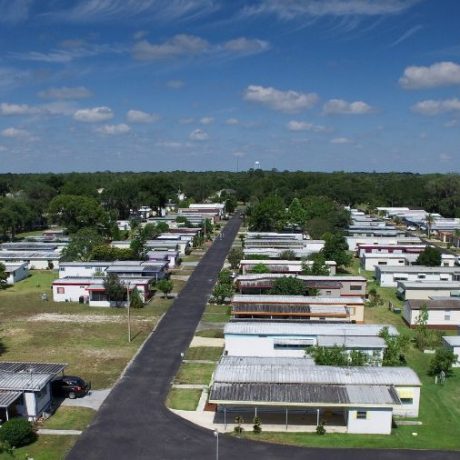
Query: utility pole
{"x": 129, "y": 313}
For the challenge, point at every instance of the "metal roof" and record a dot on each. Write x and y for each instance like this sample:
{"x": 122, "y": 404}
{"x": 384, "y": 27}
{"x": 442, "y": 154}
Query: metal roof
{"x": 8, "y": 397}
{"x": 28, "y": 246}
{"x": 305, "y": 329}
{"x": 447, "y": 303}
{"x": 296, "y": 299}
{"x": 261, "y": 276}
{"x": 237, "y": 369}
{"x": 29, "y": 255}
{"x": 339, "y": 310}
{"x": 422, "y": 284}
{"x": 10, "y": 268}
{"x": 28, "y": 375}
{"x": 416, "y": 269}
{"x": 352, "y": 342}
{"x": 452, "y": 340}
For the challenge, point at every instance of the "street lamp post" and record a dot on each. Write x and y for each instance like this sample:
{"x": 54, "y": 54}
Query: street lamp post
{"x": 216, "y": 435}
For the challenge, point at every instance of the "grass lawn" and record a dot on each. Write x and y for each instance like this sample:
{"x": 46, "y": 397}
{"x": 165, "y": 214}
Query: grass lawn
{"x": 70, "y": 418}
{"x": 216, "y": 314}
{"x": 191, "y": 373}
{"x": 212, "y": 333}
{"x": 45, "y": 448}
{"x": 183, "y": 399}
{"x": 204, "y": 353}
{"x": 92, "y": 341}
{"x": 192, "y": 258}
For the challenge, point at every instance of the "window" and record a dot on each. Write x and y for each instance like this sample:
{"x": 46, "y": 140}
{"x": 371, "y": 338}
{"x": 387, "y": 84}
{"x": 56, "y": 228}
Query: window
{"x": 361, "y": 414}
{"x": 381, "y": 263}
{"x": 61, "y": 290}
{"x": 328, "y": 292}
{"x": 355, "y": 287}
{"x": 407, "y": 400}
{"x": 421, "y": 277}
{"x": 447, "y": 316}
{"x": 62, "y": 269}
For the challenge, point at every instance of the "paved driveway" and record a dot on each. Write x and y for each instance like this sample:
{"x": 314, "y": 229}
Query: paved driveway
{"x": 133, "y": 422}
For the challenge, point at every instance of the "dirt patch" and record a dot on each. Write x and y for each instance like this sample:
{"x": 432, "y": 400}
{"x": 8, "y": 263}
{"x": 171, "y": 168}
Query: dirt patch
{"x": 57, "y": 317}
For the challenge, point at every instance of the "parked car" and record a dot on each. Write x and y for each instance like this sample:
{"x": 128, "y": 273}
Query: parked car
{"x": 70, "y": 386}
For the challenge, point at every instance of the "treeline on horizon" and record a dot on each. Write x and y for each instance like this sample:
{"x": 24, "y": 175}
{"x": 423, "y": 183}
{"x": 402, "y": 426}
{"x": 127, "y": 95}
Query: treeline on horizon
{"x": 118, "y": 192}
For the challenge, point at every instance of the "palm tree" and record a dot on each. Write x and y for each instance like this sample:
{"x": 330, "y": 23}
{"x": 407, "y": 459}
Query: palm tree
{"x": 429, "y": 219}
{"x": 457, "y": 235}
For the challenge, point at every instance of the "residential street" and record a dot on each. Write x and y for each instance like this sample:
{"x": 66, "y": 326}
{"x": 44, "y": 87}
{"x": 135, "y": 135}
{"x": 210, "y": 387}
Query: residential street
{"x": 133, "y": 422}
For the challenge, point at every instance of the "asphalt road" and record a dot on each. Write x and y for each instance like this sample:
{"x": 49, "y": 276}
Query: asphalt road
{"x": 134, "y": 423}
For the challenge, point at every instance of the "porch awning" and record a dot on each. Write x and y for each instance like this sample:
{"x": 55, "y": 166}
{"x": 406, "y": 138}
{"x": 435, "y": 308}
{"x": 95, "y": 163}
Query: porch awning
{"x": 8, "y": 397}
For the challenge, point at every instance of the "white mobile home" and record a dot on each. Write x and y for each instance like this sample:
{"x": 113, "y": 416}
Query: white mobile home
{"x": 34, "y": 260}
{"x": 291, "y": 339}
{"x": 388, "y": 276}
{"x": 371, "y": 260}
{"x": 452, "y": 342}
{"x": 442, "y": 313}
{"x": 359, "y": 399}
{"x": 16, "y": 272}
{"x": 354, "y": 240}
{"x": 408, "y": 290}
{"x": 282, "y": 266}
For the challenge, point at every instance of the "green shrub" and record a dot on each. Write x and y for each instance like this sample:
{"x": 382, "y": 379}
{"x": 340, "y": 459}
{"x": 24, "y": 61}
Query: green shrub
{"x": 320, "y": 430}
{"x": 17, "y": 432}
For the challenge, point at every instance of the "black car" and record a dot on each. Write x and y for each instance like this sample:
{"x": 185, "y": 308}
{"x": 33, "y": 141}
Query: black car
{"x": 70, "y": 386}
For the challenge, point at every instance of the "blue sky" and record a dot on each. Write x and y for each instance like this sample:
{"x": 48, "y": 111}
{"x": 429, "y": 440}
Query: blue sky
{"x": 320, "y": 85}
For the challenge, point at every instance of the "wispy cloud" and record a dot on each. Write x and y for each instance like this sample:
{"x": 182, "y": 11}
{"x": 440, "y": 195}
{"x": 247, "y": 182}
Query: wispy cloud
{"x": 183, "y": 45}
{"x": 438, "y": 74}
{"x": 138, "y": 116}
{"x": 111, "y": 130}
{"x": 17, "y": 133}
{"x": 99, "y": 11}
{"x": 175, "y": 84}
{"x": 342, "y": 107}
{"x": 65, "y": 92}
{"x": 307, "y": 9}
{"x": 93, "y": 115}
{"x": 14, "y": 11}
{"x": 198, "y": 135}
{"x": 406, "y": 35}
{"x": 295, "y": 125}
{"x": 285, "y": 101}
{"x": 436, "y": 107}
{"x": 341, "y": 140}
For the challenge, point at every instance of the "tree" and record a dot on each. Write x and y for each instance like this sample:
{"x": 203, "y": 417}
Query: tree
{"x": 165, "y": 286}
{"x": 430, "y": 257}
{"x": 442, "y": 361}
{"x": 150, "y": 231}
{"x": 230, "y": 205}
{"x": 221, "y": 292}
{"x": 82, "y": 244}
{"x": 328, "y": 356}
{"x": 374, "y": 298}
{"x": 225, "y": 277}
{"x": 336, "y": 248}
{"x": 76, "y": 212}
{"x": 135, "y": 299}
{"x": 316, "y": 267}
{"x": 429, "y": 220}
{"x": 396, "y": 347}
{"x": 17, "y": 432}
{"x": 115, "y": 290}
{"x": 296, "y": 214}
{"x": 268, "y": 215}
{"x": 234, "y": 257}
{"x": 260, "y": 268}
{"x": 288, "y": 254}
{"x": 3, "y": 276}
{"x": 287, "y": 285}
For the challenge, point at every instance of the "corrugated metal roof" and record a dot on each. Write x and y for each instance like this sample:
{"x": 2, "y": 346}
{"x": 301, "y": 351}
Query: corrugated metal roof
{"x": 417, "y": 269}
{"x": 351, "y": 342}
{"x": 29, "y": 255}
{"x": 45, "y": 368}
{"x": 233, "y": 369}
{"x": 429, "y": 284}
{"x": 257, "y": 276}
{"x": 328, "y": 309}
{"x": 303, "y": 394}
{"x": 296, "y": 299}
{"x": 8, "y": 397}
{"x": 447, "y": 303}
{"x": 305, "y": 329}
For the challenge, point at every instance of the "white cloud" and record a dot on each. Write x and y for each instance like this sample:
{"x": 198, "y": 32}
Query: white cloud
{"x": 301, "y": 9}
{"x": 295, "y": 125}
{"x": 79, "y": 92}
{"x": 121, "y": 128}
{"x": 137, "y": 116}
{"x": 175, "y": 84}
{"x": 232, "y": 121}
{"x": 18, "y": 109}
{"x": 93, "y": 115}
{"x": 179, "y": 45}
{"x": 207, "y": 120}
{"x": 16, "y": 133}
{"x": 245, "y": 45}
{"x": 435, "y": 107}
{"x": 198, "y": 135}
{"x": 342, "y": 107}
{"x": 284, "y": 101}
{"x": 438, "y": 74}
{"x": 341, "y": 140}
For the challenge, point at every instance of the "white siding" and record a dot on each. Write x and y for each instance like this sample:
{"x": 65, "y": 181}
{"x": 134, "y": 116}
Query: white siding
{"x": 377, "y": 421}
{"x": 69, "y": 293}
{"x": 391, "y": 279}
{"x": 408, "y": 409}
